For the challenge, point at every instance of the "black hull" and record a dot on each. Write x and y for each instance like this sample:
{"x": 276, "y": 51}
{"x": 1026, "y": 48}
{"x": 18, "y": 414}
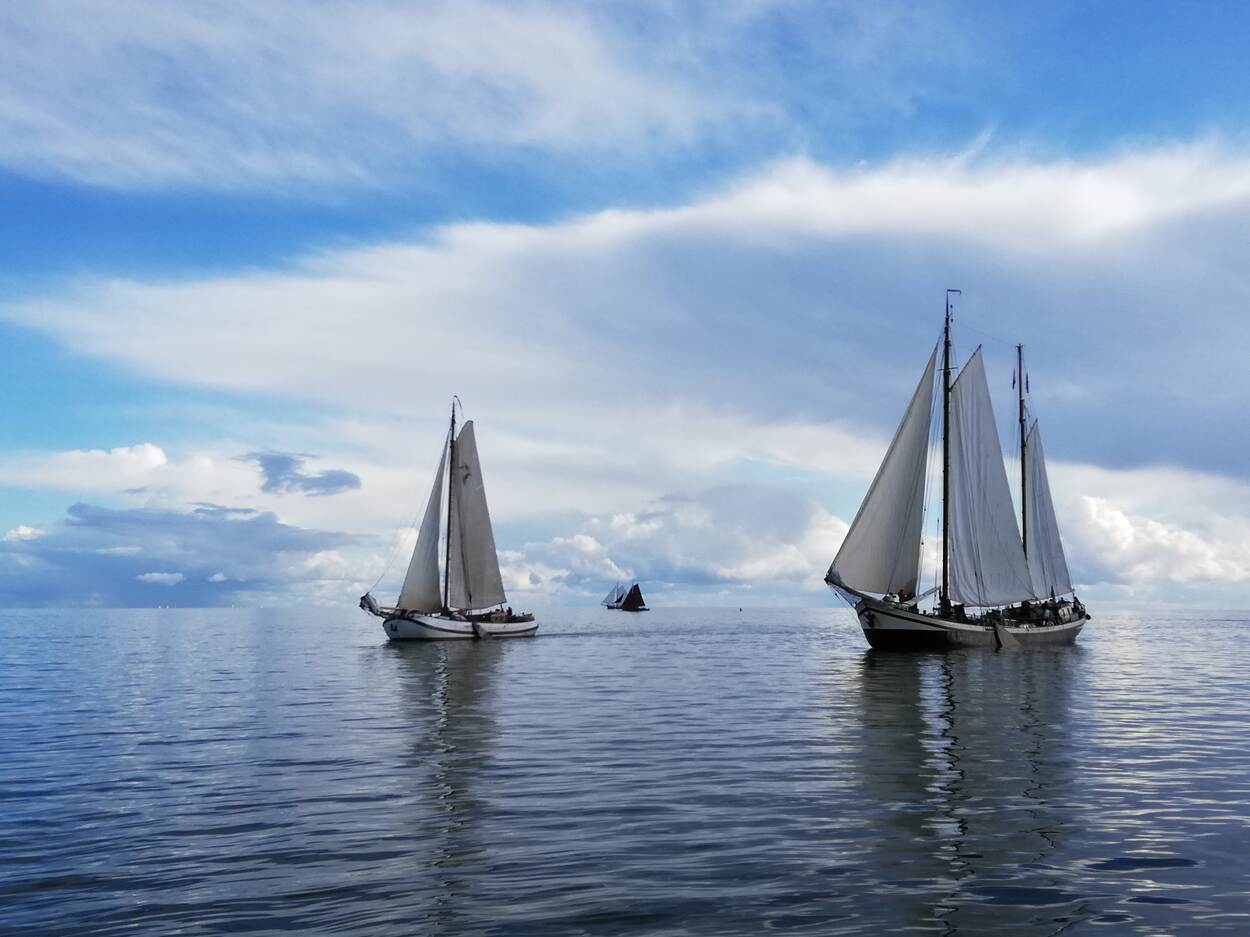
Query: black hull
{"x": 892, "y": 628}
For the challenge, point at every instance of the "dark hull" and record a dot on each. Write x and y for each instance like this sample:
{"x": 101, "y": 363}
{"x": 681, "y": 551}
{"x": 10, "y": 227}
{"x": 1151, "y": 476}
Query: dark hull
{"x": 889, "y": 627}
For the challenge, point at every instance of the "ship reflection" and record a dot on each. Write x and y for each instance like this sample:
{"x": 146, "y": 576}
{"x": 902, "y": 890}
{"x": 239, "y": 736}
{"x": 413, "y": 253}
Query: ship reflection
{"x": 968, "y": 756}
{"x": 449, "y": 700}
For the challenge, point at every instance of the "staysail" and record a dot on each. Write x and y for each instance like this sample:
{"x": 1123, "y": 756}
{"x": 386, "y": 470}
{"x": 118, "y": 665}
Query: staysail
{"x": 615, "y": 596}
{"x": 881, "y": 551}
{"x": 474, "y": 581}
{"x": 1047, "y": 565}
{"x": 421, "y": 591}
{"x": 986, "y": 557}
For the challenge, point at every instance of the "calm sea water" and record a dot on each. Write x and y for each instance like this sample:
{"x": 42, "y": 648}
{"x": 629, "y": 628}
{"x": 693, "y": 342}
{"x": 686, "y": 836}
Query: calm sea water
{"x": 677, "y": 772}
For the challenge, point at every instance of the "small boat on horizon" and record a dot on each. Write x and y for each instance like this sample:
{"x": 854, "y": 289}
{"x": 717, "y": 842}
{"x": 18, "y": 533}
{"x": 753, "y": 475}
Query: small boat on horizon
{"x": 467, "y": 600}
{"x": 1020, "y": 582}
{"x": 626, "y": 600}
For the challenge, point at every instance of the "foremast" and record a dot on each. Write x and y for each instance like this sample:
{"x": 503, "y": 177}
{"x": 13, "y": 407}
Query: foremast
{"x": 1024, "y": 445}
{"x": 451, "y": 469}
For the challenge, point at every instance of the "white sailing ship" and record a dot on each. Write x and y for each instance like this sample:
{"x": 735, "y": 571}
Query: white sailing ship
{"x": 466, "y": 598}
{"x": 997, "y": 588}
{"x": 614, "y": 598}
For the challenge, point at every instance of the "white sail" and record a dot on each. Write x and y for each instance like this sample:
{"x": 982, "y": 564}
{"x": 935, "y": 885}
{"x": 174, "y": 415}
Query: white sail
{"x": 881, "y": 551}
{"x": 1047, "y": 564}
{"x": 985, "y": 555}
{"x": 615, "y": 595}
{"x": 473, "y": 581}
{"x": 421, "y": 589}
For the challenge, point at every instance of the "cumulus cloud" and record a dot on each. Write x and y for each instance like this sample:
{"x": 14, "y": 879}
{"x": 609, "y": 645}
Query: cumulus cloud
{"x": 23, "y": 532}
{"x": 85, "y": 469}
{"x": 283, "y": 474}
{"x": 105, "y": 556}
{"x": 754, "y": 539}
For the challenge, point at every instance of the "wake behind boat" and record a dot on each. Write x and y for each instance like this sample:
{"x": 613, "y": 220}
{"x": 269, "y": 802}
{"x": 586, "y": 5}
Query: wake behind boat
{"x": 467, "y": 600}
{"x": 1019, "y": 582}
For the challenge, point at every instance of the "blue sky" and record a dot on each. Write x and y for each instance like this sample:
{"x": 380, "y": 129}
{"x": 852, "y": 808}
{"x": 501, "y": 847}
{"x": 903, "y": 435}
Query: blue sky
{"x": 682, "y": 262}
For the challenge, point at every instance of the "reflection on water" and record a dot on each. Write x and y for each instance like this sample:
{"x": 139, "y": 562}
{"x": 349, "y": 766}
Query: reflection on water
{"x": 968, "y": 754}
{"x": 695, "y": 772}
{"x": 447, "y": 698}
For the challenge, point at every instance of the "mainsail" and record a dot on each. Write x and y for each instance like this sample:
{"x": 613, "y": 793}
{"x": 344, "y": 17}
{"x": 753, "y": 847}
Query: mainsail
{"x": 881, "y": 551}
{"x": 1047, "y": 564}
{"x": 421, "y": 590}
{"x": 633, "y": 600}
{"x": 473, "y": 580}
{"x": 986, "y": 557}
{"x": 614, "y": 597}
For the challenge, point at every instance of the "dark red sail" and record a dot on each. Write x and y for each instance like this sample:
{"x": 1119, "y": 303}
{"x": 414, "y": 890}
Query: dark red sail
{"x": 633, "y": 600}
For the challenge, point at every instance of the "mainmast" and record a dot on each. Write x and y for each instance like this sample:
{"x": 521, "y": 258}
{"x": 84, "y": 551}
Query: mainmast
{"x": 451, "y": 474}
{"x": 944, "y": 595}
{"x": 1024, "y": 510}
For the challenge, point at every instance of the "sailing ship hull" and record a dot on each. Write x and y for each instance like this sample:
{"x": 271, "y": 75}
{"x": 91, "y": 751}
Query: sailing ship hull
{"x": 438, "y": 628}
{"x": 891, "y": 628}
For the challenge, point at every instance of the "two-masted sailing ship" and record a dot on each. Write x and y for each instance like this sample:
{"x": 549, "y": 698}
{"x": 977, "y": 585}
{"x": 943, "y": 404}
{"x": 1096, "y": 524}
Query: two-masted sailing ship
{"x": 466, "y": 598}
{"x": 625, "y": 599}
{"x": 1001, "y": 584}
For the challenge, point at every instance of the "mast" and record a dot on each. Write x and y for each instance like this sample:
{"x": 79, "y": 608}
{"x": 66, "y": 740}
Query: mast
{"x": 1024, "y": 510}
{"x": 944, "y": 595}
{"x": 451, "y": 474}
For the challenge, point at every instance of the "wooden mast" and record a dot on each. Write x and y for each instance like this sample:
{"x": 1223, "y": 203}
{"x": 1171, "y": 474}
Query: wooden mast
{"x": 944, "y": 596}
{"x": 451, "y": 476}
{"x": 1024, "y": 510}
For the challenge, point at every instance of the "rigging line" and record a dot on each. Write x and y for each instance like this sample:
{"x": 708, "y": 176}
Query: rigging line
{"x": 1024, "y": 333}
{"x": 390, "y": 560}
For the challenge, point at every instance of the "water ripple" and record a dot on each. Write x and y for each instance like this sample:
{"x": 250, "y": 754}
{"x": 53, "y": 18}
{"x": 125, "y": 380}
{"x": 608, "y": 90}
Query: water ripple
{"x": 680, "y": 773}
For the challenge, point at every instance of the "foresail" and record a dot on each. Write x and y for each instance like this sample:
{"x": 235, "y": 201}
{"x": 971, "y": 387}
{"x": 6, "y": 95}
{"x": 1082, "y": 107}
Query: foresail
{"x": 420, "y": 591}
{"x": 1047, "y": 565}
{"x": 881, "y": 551}
{"x": 473, "y": 581}
{"x": 985, "y": 555}
{"x": 611, "y": 596}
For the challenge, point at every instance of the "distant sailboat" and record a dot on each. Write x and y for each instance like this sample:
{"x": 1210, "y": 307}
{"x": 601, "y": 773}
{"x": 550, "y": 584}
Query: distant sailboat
{"x": 1019, "y": 581}
{"x": 613, "y": 599}
{"x": 633, "y": 601}
{"x": 627, "y": 600}
{"x": 467, "y": 600}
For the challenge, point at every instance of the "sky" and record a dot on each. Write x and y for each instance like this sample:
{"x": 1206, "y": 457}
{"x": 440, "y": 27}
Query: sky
{"x": 681, "y": 262}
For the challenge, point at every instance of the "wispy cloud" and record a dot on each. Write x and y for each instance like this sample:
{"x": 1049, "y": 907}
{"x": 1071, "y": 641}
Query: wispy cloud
{"x": 223, "y": 94}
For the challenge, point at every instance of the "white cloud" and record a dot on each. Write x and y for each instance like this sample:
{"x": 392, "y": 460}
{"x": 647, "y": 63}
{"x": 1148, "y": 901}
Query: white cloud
{"x": 218, "y": 577}
{"x": 771, "y": 331}
{"x": 23, "y": 532}
{"x": 84, "y": 470}
{"x": 124, "y": 550}
{"x": 161, "y": 579}
{"x": 225, "y": 93}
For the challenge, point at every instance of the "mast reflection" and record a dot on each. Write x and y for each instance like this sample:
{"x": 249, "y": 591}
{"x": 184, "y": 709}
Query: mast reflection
{"x": 449, "y": 701}
{"x": 970, "y": 757}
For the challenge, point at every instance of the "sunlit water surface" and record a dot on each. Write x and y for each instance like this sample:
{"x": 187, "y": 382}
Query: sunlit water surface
{"x": 676, "y": 772}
